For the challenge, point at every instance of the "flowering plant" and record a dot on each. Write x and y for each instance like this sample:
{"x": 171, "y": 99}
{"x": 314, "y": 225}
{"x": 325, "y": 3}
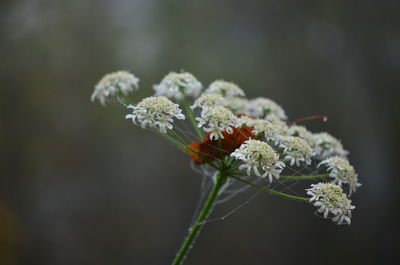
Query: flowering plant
{"x": 243, "y": 141}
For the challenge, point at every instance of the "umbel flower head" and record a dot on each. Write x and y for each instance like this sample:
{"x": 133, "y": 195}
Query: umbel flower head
{"x": 277, "y": 121}
{"x": 271, "y": 131}
{"x": 296, "y": 150}
{"x": 226, "y": 89}
{"x": 155, "y": 112}
{"x": 326, "y": 145}
{"x": 218, "y": 119}
{"x": 342, "y": 172}
{"x": 302, "y": 132}
{"x": 177, "y": 85}
{"x": 114, "y": 83}
{"x": 237, "y": 105}
{"x": 330, "y": 200}
{"x": 259, "y": 156}
{"x": 247, "y": 121}
{"x": 262, "y": 107}
{"x": 209, "y": 100}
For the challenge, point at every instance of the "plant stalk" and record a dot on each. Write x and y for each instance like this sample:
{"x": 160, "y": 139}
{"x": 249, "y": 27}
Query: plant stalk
{"x": 189, "y": 113}
{"x": 288, "y": 196}
{"x": 199, "y": 223}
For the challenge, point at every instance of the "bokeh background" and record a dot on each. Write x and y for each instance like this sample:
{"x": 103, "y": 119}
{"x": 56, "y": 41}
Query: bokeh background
{"x": 81, "y": 185}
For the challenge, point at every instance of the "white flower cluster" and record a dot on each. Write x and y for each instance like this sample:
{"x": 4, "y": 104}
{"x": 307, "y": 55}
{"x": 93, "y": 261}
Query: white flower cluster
{"x": 226, "y": 89}
{"x": 262, "y": 107}
{"x": 238, "y": 105}
{"x": 326, "y": 145}
{"x": 296, "y": 150}
{"x": 218, "y": 119}
{"x": 342, "y": 172}
{"x": 329, "y": 198}
{"x": 276, "y": 120}
{"x": 259, "y": 156}
{"x": 178, "y": 85}
{"x": 302, "y": 132}
{"x": 323, "y": 144}
{"x": 209, "y": 100}
{"x": 114, "y": 83}
{"x": 247, "y": 121}
{"x": 155, "y": 112}
{"x": 271, "y": 131}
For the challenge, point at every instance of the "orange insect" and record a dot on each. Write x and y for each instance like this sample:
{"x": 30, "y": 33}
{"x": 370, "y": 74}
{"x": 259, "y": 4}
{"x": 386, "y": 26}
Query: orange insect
{"x": 209, "y": 150}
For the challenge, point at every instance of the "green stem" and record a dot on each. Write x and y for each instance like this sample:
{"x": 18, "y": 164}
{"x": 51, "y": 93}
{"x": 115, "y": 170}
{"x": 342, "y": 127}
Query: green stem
{"x": 178, "y": 138}
{"x": 271, "y": 191}
{"x": 304, "y": 177}
{"x": 171, "y": 140}
{"x": 125, "y": 98}
{"x": 292, "y": 177}
{"x": 191, "y": 117}
{"x": 199, "y": 223}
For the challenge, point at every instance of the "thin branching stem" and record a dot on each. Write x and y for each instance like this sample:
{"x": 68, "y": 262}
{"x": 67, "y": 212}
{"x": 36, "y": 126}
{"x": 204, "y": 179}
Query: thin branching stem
{"x": 186, "y": 146}
{"x": 295, "y": 178}
{"x": 288, "y": 196}
{"x": 304, "y": 177}
{"x": 198, "y": 224}
{"x": 172, "y": 140}
{"x": 125, "y": 98}
{"x": 191, "y": 117}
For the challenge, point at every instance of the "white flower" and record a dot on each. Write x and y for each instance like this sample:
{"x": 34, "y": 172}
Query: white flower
{"x": 209, "y": 100}
{"x": 238, "y": 105}
{"x": 218, "y": 119}
{"x": 226, "y": 89}
{"x": 342, "y": 172}
{"x": 259, "y": 156}
{"x": 114, "y": 83}
{"x": 326, "y": 145}
{"x": 296, "y": 150}
{"x": 155, "y": 112}
{"x": 247, "y": 121}
{"x": 177, "y": 85}
{"x": 261, "y": 107}
{"x": 329, "y": 198}
{"x": 302, "y": 132}
{"x": 270, "y": 131}
{"x": 276, "y": 120}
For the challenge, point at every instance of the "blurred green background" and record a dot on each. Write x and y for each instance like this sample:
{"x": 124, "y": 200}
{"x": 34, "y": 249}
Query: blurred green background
{"x": 81, "y": 185}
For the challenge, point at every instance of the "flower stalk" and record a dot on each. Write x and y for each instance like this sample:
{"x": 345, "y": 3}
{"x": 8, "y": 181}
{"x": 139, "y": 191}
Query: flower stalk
{"x": 199, "y": 223}
{"x": 288, "y": 196}
{"x": 294, "y": 178}
{"x": 191, "y": 117}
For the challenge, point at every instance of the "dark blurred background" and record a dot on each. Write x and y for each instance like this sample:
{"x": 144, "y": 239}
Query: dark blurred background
{"x": 81, "y": 185}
